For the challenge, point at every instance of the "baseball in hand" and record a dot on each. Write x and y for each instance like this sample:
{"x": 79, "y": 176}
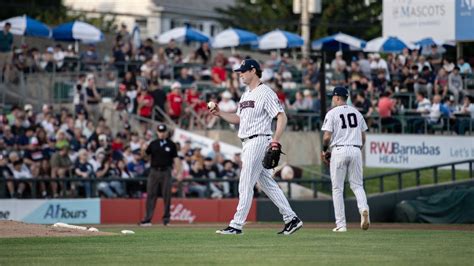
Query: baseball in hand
{"x": 211, "y": 105}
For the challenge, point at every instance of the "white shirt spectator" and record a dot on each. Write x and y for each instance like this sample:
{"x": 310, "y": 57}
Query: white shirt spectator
{"x": 380, "y": 63}
{"x": 23, "y": 172}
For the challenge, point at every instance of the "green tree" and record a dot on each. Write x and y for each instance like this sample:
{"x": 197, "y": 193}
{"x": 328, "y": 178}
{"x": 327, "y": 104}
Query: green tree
{"x": 349, "y": 16}
{"x": 260, "y": 16}
{"x": 353, "y": 17}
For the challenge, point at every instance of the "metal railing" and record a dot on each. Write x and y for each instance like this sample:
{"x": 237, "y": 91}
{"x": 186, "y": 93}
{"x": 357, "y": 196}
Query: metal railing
{"x": 318, "y": 182}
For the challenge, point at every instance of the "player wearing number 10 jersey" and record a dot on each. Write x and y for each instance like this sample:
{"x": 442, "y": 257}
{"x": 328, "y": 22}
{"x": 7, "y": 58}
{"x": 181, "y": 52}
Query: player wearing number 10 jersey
{"x": 344, "y": 133}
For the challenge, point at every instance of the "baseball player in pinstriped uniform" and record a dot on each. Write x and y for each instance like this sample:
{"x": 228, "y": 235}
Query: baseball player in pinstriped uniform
{"x": 344, "y": 132}
{"x": 256, "y": 110}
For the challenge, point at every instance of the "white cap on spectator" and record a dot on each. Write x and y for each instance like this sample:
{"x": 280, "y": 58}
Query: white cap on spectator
{"x": 45, "y": 107}
{"x": 377, "y": 56}
{"x": 28, "y": 107}
{"x": 176, "y": 85}
{"x": 226, "y": 95}
{"x": 90, "y": 76}
{"x": 339, "y": 53}
{"x": 102, "y": 137}
{"x": 307, "y": 92}
{"x": 286, "y": 75}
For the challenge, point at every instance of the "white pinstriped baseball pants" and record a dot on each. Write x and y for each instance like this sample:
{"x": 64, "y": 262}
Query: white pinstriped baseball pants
{"x": 346, "y": 160}
{"x": 253, "y": 151}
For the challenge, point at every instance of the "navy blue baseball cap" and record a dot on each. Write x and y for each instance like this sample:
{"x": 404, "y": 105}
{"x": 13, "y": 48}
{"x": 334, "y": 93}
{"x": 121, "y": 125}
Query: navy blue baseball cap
{"x": 247, "y": 65}
{"x": 340, "y": 91}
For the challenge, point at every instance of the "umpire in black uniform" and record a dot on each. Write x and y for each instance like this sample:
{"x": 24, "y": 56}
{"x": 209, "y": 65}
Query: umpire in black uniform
{"x": 163, "y": 157}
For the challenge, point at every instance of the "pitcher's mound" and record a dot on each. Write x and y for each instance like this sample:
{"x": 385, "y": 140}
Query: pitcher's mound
{"x": 19, "y": 229}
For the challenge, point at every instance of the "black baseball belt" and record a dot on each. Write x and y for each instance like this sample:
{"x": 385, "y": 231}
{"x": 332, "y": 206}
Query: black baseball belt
{"x": 254, "y": 136}
{"x": 357, "y": 146}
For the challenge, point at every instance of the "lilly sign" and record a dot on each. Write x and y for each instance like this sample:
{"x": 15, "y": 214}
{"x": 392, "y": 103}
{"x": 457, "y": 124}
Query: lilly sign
{"x": 413, "y": 20}
{"x": 411, "y": 151}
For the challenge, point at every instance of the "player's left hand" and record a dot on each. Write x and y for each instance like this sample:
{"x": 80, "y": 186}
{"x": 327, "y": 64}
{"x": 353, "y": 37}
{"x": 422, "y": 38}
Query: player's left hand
{"x": 326, "y": 157}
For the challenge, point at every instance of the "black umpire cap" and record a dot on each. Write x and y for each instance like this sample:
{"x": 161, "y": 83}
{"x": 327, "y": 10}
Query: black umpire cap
{"x": 161, "y": 128}
{"x": 247, "y": 65}
{"x": 340, "y": 91}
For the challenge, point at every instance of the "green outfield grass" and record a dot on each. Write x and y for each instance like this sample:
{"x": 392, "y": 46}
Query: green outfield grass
{"x": 201, "y": 246}
{"x": 391, "y": 182}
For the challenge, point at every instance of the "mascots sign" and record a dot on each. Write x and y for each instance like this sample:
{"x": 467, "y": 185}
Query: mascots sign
{"x": 413, "y": 20}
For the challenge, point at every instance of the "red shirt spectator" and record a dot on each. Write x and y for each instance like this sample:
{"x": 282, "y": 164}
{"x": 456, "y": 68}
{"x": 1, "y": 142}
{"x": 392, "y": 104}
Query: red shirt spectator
{"x": 193, "y": 99}
{"x": 385, "y": 106}
{"x": 175, "y": 101}
{"x": 218, "y": 73}
{"x": 145, "y": 104}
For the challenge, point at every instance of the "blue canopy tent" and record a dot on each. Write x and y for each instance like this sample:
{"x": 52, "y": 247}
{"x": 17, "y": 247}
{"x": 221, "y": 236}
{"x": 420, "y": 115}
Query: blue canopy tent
{"x": 338, "y": 42}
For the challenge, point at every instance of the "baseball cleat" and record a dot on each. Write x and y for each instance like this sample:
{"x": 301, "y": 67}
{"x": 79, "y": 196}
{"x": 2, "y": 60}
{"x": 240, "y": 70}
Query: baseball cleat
{"x": 364, "y": 220}
{"x": 229, "y": 231}
{"x": 145, "y": 223}
{"x": 291, "y": 226}
{"x": 340, "y": 229}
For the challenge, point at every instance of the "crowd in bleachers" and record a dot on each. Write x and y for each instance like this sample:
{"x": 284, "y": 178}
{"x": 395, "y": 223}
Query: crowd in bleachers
{"x": 171, "y": 79}
{"x": 56, "y": 146}
{"x": 428, "y": 89}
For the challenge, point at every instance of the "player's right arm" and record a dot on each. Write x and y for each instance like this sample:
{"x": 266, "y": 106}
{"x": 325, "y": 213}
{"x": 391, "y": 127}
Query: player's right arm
{"x": 232, "y": 118}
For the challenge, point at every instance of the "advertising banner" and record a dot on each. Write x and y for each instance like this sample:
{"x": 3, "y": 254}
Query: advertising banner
{"x": 182, "y": 210}
{"x": 411, "y": 151}
{"x": 74, "y": 211}
{"x": 413, "y": 20}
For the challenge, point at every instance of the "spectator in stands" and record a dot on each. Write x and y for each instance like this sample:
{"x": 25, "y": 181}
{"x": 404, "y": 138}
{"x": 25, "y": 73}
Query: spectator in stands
{"x": 90, "y": 58}
{"x": 380, "y": 64}
{"x": 425, "y": 82}
{"x": 93, "y": 99}
{"x": 111, "y": 189}
{"x": 212, "y": 172}
{"x": 338, "y": 78}
{"x": 7, "y": 174}
{"x": 364, "y": 64}
{"x": 363, "y": 105}
{"x": 61, "y": 167}
{"x": 218, "y": 72}
{"x": 6, "y": 41}
{"x": 83, "y": 169}
{"x": 339, "y": 62}
{"x": 58, "y": 57}
{"x": 146, "y": 69}
{"x": 175, "y": 101}
{"x": 145, "y": 103}
{"x": 464, "y": 67}
{"x": 386, "y": 107}
{"x": 441, "y": 82}
{"x": 435, "y": 58}
{"x": 159, "y": 98}
{"x": 203, "y": 54}
{"x": 437, "y": 110}
{"x": 455, "y": 83}
{"x": 417, "y": 124}
{"x": 137, "y": 166}
{"x": 380, "y": 82}
{"x": 288, "y": 83}
{"x": 79, "y": 99}
{"x": 466, "y": 123}
{"x": 173, "y": 53}
{"x": 422, "y": 63}
{"x": 21, "y": 171}
{"x": 124, "y": 33}
{"x": 184, "y": 77}
{"x": 122, "y": 101}
{"x": 197, "y": 171}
